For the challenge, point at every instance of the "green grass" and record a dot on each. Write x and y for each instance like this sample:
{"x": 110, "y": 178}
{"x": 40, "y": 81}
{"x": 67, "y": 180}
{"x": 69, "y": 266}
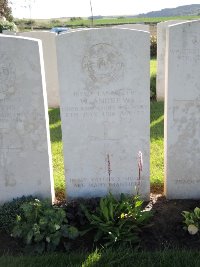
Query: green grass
{"x": 48, "y": 23}
{"x": 157, "y": 160}
{"x": 57, "y": 151}
{"x": 157, "y": 134}
{"x": 107, "y": 258}
{"x": 139, "y": 20}
{"x": 157, "y": 143}
{"x": 153, "y": 68}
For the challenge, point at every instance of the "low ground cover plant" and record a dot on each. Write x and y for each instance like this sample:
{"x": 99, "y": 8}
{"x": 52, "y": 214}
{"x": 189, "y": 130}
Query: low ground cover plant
{"x": 43, "y": 227}
{"x": 105, "y": 221}
{"x": 9, "y": 212}
{"x": 192, "y": 221}
{"x": 117, "y": 220}
{"x": 112, "y": 220}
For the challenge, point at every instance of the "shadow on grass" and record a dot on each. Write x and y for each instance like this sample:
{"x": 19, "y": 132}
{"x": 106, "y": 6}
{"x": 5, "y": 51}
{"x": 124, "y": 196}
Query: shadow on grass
{"x": 157, "y": 110}
{"x": 55, "y": 125}
{"x": 153, "y": 86}
{"x": 56, "y": 134}
{"x": 54, "y": 115}
{"x": 157, "y": 120}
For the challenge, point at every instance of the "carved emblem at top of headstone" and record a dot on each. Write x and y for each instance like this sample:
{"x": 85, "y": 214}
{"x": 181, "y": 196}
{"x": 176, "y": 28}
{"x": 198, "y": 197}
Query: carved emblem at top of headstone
{"x": 103, "y": 63}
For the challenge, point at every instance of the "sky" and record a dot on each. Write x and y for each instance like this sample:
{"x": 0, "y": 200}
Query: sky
{"x": 81, "y": 8}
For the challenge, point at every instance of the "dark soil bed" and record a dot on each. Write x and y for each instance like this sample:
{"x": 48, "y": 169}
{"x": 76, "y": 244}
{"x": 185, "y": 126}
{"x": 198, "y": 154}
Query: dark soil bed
{"x": 167, "y": 227}
{"x": 166, "y": 231}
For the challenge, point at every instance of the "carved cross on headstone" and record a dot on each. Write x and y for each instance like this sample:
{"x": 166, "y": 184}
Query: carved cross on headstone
{"x": 105, "y": 138}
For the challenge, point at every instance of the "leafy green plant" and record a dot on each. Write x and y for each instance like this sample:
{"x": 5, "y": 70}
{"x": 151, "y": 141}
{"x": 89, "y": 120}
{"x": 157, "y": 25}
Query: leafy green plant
{"x": 7, "y": 25}
{"x": 192, "y": 221}
{"x": 117, "y": 220}
{"x": 43, "y": 227}
{"x": 75, "y": 213}
{"x": 9, "y": 211}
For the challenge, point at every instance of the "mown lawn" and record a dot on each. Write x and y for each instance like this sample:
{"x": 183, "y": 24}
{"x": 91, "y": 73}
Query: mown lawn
{"x": 102, "y": 21}
{"x": 107, "y": 258}
{"x": 157, "y": 143}
{"x": 57, "y": 151}
{"x": 153, "y": 66}
{"x": 157, "y": 135}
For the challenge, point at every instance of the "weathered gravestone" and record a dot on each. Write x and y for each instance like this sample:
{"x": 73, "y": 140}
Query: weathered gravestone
{"x": 161, "y": 55}
{"x": 182, "y": 113}
{"x": 50, "y": 64}
{"x": 25, "y": 161}
{"x": 140, "y": 27}
{"x": 104, "y": 82}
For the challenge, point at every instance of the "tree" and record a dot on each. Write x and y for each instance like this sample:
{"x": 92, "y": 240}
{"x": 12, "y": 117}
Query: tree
{"x": 5, "y": 10}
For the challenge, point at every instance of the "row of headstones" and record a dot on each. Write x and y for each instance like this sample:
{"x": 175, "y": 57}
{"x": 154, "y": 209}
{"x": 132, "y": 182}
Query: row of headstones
{"x": 50, "y": 57}
{"x": 104, "y": 88}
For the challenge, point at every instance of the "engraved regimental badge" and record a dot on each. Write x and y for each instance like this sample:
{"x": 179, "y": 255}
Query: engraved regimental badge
{"x": 103, "y": 63}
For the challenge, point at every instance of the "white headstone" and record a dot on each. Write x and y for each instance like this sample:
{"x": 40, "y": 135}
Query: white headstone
{"x": 140, "y": 27}
{"x": 25, "y": 156}
{"x": 105, "y": 94}
{"x": 182, "y": 113}
{"x": 161, "y": 51}
{"x": 50, "y": 64}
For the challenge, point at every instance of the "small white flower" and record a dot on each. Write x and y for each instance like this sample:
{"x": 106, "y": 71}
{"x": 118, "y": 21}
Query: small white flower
{"x": 48, "y": 239}
{"x": 57, "y": 227}
{"x": 192, "y": 229}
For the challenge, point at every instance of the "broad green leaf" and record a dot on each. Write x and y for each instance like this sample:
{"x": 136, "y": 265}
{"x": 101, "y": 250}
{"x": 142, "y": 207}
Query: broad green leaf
{"x": 29, "y": 237}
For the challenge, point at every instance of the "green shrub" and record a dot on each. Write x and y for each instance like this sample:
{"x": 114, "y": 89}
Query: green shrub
{"x": 117, "y": 220}
{"x": 75, "y": 18}
{"x": 153, "y": 47}
{"x": 9, "y": 212}
{"x": 43, "y": 227}
{"x": 192, "y": 221}
{"x": 29, "y": 22}
{"x": 6, "y": 25}
{"x": 55, "y": 21}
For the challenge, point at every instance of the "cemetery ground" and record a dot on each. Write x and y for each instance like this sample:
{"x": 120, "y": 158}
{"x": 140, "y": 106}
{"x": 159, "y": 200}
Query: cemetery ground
{"x": 164, "y": 243}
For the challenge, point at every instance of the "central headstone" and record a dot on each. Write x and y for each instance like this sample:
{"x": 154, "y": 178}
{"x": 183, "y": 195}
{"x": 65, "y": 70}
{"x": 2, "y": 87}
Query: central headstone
{"x": 104, "y": 82}
{"x": 25, "y": 156}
